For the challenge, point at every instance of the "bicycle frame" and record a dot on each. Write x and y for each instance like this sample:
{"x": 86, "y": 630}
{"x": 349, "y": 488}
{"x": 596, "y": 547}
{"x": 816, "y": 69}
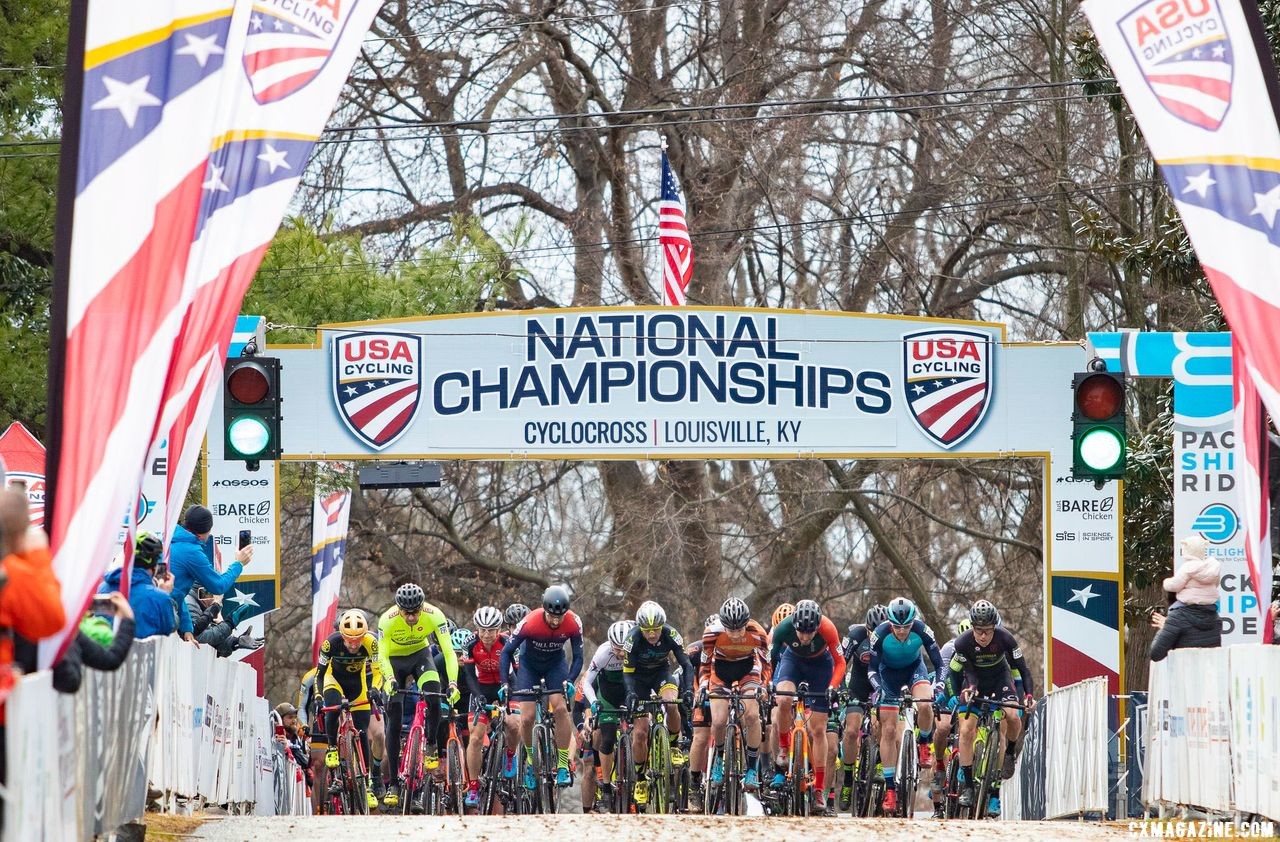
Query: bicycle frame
{"x": 800, "y": 760}
{"x": 347, "y": 782}
{"x": 544, "y": 743}
{"x": 988, "y": 748}
{"x": 412, "y": 769}
{"x": 734, "y": 756}
{"x": 661, "y": 780}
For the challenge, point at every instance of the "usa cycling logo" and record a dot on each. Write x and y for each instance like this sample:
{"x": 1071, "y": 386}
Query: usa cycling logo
{"x": 377, "y": 384}
{"x": 1184, "y": 52}
{"x": 288, "y": 45}
{"x": 948, "y": 382}
{"x": 1217, "y": 523}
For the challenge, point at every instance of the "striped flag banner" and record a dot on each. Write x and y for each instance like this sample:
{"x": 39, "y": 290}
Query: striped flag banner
{"x": 176, "y": 172}
{"x": 673, "y": 240}
{"x": 1251, "y": 475}
{"x": 1205, "y": 97}
{"x": 329, "y": 519}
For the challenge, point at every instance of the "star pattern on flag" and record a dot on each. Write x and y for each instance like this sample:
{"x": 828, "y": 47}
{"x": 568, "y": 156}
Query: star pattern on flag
{"x": 200, "y": 48}
{"x": 242, "y": 599}
{"x": 1267, "y": 204}
{"x": 1082, "y": 595}
{"x": 1200, "y": 183}
{"x": 274, "y": 158}
{"x": 215, "y": 182}
{"x": 127, "y": 97}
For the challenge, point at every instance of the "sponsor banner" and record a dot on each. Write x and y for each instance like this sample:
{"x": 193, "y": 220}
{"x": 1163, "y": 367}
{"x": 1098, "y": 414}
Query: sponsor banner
{"x": 149, "y": 511}
{"x": 1255, "y": 740}
{"x": 1188, "y": 748}
{"x": 655, "y": 383}
{"x": 243, "y": 500}
{"x": 1085, "y": 523}
{"x": 22, "y": 463}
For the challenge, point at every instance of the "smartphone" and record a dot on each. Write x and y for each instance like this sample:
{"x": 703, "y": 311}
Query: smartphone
{"x": 246, "y": 538}
{"x": 162, "y": 570}
{"x": 102, "y": 604}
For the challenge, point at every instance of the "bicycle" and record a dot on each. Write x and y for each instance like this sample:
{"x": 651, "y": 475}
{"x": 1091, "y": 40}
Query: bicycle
{"x": 412, "y": 772}
{"x": 800, "y": 778}
{"x": 727, "y": 795}
{"x": 907, "y": 775}
{"x": 951, "y": 779}
{"x": 348, "y": 784}
{"x": 659, "y": 771}
{"x": 988, "y": 753}
{"x": 446, "y": 794}
{"x": 545, "y": 754}
{"x": 496, "y": 788}
{"x": 868, "y": 787}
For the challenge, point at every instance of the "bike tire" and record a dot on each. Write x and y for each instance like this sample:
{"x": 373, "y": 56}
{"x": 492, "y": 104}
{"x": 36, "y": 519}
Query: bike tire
{"x": 951, "y": 795}
{"x": 799, "y": 799}
{"x": 413, "y": 770}
{"x": 660, "y": 770}
{"x": 546, "y": 764}
{"x": 495, "y": 753}
{"x": 865, "y": 781}
{"x": 979, "y": 755}
{"x": 906, "y": 775}
{"x": 733, "y": 772}
{"x": 456, "y": 777}
{"x": 990, "y": 768}
{"x": 624, "y": 773}
{"x": 352, "y": 779}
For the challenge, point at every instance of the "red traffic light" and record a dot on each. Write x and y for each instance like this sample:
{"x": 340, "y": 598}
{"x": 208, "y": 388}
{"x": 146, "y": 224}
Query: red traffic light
{"x": 1100, "y": 396}
{"x": 248, "y": 383}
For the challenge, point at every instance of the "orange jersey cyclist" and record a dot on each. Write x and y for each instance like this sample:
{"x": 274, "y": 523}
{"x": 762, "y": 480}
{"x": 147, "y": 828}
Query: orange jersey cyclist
{"x": 735, "y": 652}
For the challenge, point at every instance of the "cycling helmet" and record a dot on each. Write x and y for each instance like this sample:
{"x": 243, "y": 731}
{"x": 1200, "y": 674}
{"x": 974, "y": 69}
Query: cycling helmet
{"x": 352, "y": 624}
{"x": 782, "y": 612}
{"x": 734, "y": 614}
{"x": 620, "y": 631}
{"x": 650, "y": 616}
{"x": 487, "y": 617}
{"x": 515, "y": 612}
{"x": 462, "y": 639}
{"x": 964, "y": 626}
{"x": 808, "y": 616}
{"x": 983, "y": 613}
{"x": 712, "y": 620}
{"x": 876, "y": 615}
{"x": 409, "y": 598}
{"x": 555, "y": 600}
{"x": 902, "y": 611}
{"x": 148, "y": 548}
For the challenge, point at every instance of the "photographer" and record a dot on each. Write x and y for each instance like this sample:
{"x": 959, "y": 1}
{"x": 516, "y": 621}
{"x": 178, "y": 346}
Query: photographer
{"x": 191, "y": 556}
{"x": 213, "y": 624}
{"x": 95, "y": 646}
{"x": 153, "y": 610}
{"x": 293, "y": 739}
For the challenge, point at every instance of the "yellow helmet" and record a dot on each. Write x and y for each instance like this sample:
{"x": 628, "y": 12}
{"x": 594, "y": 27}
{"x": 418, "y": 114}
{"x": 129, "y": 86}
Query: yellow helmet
{"x": 353, "y": 625}
{"x": 782, "y": 612}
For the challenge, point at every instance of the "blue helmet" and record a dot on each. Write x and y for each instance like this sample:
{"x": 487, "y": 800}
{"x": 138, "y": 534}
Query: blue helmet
{"x": 902, "y": 611}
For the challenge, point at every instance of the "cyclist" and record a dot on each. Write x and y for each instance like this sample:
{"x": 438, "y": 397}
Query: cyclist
{"x": 407, "y": 628}
{"x": 605, "y": 691}
{"x": 945, "y": 703}
{"x": 780, "y": 613}
{"x": 896, "y": 662}
{"x": 984, "y": 659}
{"x": 735, "y": 652}
{"x": 482, "y": 677}
{"x": 511, "y": 618}
{"x": 699, "y": 720}
{"x": 856, "y": 648}
{"x": 806, "y": 650}
{"x": 344, "y": 655}
{"x": 541, "y": 637}
{"x": 647, "y": 670}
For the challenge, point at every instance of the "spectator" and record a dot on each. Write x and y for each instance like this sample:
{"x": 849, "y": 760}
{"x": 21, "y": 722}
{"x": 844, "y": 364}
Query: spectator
{"x": 214, "y": 624}
{"x": 1193, "y": 620}
{"x": 191, "y": 559}
{"x": 152, "y": 609}
{"x": 95, "y": 646}
{"x": 293, "y": 739}
{"x": 31, "y": 599}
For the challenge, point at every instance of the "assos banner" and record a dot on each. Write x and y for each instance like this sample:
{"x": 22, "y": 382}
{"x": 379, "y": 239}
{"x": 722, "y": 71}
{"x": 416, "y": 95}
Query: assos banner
{"x": 244, "y": 501}
{"x": 632, "y": 381}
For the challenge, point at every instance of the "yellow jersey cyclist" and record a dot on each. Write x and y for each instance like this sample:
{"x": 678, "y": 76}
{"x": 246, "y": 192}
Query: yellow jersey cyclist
{"x": 344, "y": 655}
{"x": 406, "y": 629}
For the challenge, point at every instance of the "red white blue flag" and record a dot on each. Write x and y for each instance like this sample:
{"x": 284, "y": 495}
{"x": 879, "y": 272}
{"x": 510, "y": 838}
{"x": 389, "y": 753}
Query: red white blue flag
{"x": 329, "y": 519}
{"x": 673, "y": 240}
{"x": 1206, "y": 101}
{"x": 176, "y": 172}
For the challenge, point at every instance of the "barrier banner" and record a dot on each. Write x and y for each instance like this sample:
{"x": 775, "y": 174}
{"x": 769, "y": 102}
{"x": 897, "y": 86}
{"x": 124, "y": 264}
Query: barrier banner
{"x": 122, "y": 705}
{"x": 32, "y": 803}
{"x": 1188, "y": 749}
{"x": 1255, "y": 739}
{"x": 1062, "y": 770}
{"x": 1023, "y": 796}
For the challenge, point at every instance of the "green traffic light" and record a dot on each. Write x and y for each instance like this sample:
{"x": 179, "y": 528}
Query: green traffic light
{"x": 248, "y": 435}
{"x": 1101, "y": 449}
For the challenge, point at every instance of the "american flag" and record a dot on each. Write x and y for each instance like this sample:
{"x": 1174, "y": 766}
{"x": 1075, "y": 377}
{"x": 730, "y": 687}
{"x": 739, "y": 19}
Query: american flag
{"x": 1251, "y": 478}
{"x": 329, "y": 519}
{"x": 1223, "y": 176}
{"x": 175, "y": 178}
{"x": 673, "y": 240}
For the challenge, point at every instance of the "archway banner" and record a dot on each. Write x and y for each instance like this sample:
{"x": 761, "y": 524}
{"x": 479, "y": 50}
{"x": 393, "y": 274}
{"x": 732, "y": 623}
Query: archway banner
{"x": 22, "y": 455}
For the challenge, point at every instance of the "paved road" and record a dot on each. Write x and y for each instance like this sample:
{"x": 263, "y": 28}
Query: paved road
{"x": 587, "y": 828}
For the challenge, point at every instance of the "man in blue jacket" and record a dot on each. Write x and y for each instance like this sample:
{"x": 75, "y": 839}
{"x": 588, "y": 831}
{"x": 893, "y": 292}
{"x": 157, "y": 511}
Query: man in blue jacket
{"x": 191, "y": 560}
{"x": 153, "y": 610}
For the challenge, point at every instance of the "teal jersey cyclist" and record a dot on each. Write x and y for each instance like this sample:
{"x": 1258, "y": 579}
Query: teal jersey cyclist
{"x": 404, "y": 651}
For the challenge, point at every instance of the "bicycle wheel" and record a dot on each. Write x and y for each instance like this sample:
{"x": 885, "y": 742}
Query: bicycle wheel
{"x": 868, "y": 753}
{"x": 979, "y": 756}
{"x": 799, "y": 769}
{"x": 624, "y": 773}
{"x": 455, "y": 777}
{"x": 906, "y": 775}
{"x": 733, "y": 772}
{"x": 659, "y": 771}
{"x": 412, "y": 784}
{"x": 991, "y": 761}
{"x": 951, "y": 790}
{"x": 491, "y": 763}
{"x": 546, "y": 766}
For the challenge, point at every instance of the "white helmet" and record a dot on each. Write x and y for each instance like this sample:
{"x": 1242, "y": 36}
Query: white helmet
{"x": 487, "y": 617}
{"x": 620, "y": 631}
{"x": 651, "y": 616}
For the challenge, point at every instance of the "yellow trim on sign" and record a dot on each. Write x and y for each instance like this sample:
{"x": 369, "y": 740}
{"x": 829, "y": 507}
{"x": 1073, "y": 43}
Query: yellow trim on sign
{"x": 1046, "y": 523}
{"x": 1089, "y": 574}
{"x": 651, "y": 456}
{"x": 107, "y": 52}
{"x": 256, "y": 134}
{"x": 1271, "y": 164}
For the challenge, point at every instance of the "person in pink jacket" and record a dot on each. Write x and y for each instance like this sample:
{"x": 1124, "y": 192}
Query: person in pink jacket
{"x": 1195, "y": 581}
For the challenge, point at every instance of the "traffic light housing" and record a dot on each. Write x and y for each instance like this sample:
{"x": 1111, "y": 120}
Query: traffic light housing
{"x": 1098, "y": 434}
{"x": 251, "y": 410}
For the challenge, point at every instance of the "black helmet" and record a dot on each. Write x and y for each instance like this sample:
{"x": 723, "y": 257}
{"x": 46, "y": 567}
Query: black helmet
{"x": 983, "y": 613}
{"x": 148, "y": 549}
{"x": 876, "y": 615}
{"x": 734, "y": 614}
{"x": 807, "y": 616}
{"x": 515, "y": 612}
{"x": 555, "y": 600}
{"x": 409, "y": 597}
{"x": 902, "y": 611}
